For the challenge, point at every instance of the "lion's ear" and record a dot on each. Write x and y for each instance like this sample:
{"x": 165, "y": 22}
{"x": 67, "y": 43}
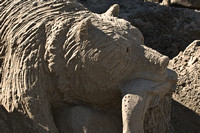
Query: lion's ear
{"x": 83, "y": 28}
{"x": 113, "y": 11}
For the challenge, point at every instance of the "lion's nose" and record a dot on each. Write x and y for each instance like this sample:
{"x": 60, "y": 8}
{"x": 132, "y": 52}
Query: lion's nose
{"x": 164, "y": 61}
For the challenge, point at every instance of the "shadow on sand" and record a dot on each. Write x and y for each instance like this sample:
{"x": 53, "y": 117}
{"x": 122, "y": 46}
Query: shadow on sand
{"x": 183, "y": 119}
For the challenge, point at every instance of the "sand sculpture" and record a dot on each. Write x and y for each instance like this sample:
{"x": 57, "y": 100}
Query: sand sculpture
{"x": 57, "y": 53}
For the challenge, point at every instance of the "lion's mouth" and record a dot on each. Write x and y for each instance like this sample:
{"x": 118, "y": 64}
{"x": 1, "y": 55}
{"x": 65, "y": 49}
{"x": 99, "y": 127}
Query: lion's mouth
{"x": 150, "y": 81}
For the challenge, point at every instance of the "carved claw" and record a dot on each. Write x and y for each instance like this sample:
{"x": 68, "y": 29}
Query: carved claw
{"x": 133, "y": 111}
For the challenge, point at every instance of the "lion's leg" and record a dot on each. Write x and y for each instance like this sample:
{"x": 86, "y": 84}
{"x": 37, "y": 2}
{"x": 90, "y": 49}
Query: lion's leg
{"x": 25, "y": 91}
{"x": 139, "y": 96}
{"x": 36, "y": 102}
{"x": 82, "y": 119}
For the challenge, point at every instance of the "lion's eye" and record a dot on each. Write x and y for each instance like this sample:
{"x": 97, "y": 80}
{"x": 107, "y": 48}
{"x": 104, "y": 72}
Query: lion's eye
{"x": 127, "y": 50}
